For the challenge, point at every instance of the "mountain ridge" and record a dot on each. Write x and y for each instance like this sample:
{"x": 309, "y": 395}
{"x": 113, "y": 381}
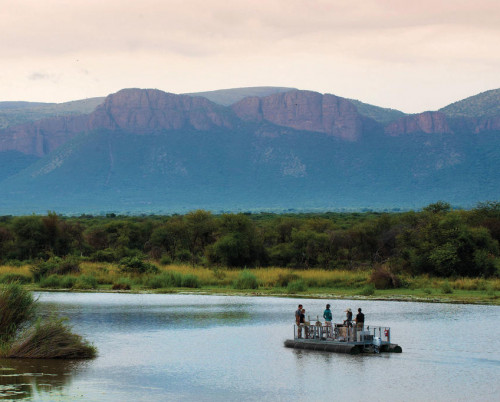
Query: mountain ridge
{"x": 149, "y": 150}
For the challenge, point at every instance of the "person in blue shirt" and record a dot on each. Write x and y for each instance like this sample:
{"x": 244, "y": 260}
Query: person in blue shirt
{"x": 327, "y": 315}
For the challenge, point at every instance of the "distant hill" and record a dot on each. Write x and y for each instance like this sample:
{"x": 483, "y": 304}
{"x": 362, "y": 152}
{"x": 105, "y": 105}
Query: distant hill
{"x": 379, "y": 114}
{"x": 485, "y": 104}
{"x": 148, "y": 151}
{"x": 227, "y": 97}
{"x": 14, "y": 113}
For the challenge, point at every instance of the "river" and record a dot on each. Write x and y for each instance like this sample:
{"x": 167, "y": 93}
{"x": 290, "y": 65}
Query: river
{"x": 194, "y": 347}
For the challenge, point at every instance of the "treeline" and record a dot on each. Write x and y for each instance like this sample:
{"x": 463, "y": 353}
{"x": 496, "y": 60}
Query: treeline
{"x": 437, "y": 240}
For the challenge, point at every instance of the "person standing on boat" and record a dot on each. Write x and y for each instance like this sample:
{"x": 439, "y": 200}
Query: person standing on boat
{"x": 298, "y": 315}
{"x": 327, "y": 315}
{"x": 348, "y": 320}
{"x": 360, "y": 320}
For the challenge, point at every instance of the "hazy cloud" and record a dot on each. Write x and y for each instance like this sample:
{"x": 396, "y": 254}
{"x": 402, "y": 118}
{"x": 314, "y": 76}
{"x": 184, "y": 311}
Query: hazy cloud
{"x": 230, "y": 42}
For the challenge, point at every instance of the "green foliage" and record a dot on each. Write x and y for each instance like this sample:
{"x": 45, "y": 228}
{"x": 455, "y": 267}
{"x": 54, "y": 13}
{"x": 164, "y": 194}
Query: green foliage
{"x": 438, "y": 241}
{"x": 136, "y": 265}
{"x": 15, "y": 278}
{"x": 190, "y": 281}
{"x": 164, "y": 280}
{"x": 51, "y": 282}
{"x": 446, "y": 288}
{"x": 57, "y": 266}
{"x": 296, "y": 286}
{"x": 246, "y": 280}
{"x": 17, "y": 307}
{"x": 368, "y": 290}
{"x": 85, "y": 282}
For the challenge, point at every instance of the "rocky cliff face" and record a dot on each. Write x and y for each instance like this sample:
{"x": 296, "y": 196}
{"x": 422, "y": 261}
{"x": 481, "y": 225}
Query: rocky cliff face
{"x": 304, "y": 110}
{"x": 136, "y": 110}
{"x": 427, "y": 122}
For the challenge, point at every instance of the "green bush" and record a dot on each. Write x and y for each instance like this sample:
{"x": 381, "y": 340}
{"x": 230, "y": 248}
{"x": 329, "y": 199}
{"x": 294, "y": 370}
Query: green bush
{"x": 68, "y": 281}
{"x": 190, "y": 281}
{"x": 166, "y": 260}
{"x": 122, "y": 284}
{"x": 56, "y": 266}
{"x": 368, "y": 290}
{"x": 164, "y": 280}
{"x": 246, "y": 280}
{"x": 136, "y": 265}
{"x": 284, "y": 279}
{"x": 51, "y": 282}
{"x": 446, "y": 288}
{"x": 296, "y": 286}
{"x": 85, "y": 282}
{"x": 14, "y": 278}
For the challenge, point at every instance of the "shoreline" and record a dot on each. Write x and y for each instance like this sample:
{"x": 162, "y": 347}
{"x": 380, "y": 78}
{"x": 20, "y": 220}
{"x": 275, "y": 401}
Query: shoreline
{"x": 486, "y": 301}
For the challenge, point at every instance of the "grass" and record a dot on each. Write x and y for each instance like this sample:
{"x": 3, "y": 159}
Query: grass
{"x": 23, "y": 337}
{"x": 272, "y": 281}
{"x": 51, "y": 339}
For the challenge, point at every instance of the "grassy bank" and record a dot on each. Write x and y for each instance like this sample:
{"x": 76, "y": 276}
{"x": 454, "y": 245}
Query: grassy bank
{"x": 92, "y": 276}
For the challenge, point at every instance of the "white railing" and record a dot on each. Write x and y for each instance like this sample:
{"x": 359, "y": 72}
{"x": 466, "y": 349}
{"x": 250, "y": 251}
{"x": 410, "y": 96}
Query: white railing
{"x": 342, "y": 333}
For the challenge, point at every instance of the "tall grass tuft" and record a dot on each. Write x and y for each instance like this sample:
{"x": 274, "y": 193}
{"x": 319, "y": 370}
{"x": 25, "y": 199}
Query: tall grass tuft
{"x": 51, "y": 339}
{"x": 17, "y": 308}
{"x": 246, "y": 280}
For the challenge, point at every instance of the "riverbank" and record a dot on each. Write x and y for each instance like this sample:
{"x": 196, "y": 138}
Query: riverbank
{"x": 278, "y": 282}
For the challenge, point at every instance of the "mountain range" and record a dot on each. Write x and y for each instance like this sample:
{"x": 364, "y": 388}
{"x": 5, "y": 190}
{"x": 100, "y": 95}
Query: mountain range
{"x": 244, "y": 149}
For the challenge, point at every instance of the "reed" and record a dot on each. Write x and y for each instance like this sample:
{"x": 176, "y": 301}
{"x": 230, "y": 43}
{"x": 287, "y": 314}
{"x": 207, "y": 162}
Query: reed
{"x": 51, "y": 339}
{"x": 17, "y": 308}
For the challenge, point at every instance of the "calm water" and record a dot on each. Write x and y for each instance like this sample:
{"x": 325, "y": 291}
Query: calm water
{"x": 189, "y": 347}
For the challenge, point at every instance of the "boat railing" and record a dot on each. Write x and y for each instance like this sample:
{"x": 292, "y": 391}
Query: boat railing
{"x": 342, "y": 333}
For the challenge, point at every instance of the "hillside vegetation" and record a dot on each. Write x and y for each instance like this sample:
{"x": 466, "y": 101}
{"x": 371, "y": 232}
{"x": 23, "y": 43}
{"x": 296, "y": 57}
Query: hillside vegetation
{"x": 485, "y": 104}
{"x": 14, "y": 113}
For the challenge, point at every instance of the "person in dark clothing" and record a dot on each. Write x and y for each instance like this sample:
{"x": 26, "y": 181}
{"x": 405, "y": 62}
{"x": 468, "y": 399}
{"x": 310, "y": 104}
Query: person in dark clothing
{"x": 299, "y": 318}
{"x": 360, "y": 319}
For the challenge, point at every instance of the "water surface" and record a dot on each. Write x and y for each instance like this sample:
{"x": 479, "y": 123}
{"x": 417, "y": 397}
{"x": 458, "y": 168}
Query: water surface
{"x": 187, "y": 347}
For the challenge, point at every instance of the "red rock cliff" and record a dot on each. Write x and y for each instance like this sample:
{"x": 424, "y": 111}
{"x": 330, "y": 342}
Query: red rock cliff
{"x": 137, "y": 110}
{"x": 304, "y": 110}
{"x": 427, "y": 122}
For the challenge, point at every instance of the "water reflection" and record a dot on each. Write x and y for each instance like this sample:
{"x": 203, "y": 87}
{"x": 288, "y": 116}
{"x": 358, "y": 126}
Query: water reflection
{"x": 193, "y": 347}
{"x": 28, "y": 378}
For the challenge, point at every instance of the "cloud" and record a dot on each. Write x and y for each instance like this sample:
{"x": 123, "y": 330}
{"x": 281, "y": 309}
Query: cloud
{"x": 39, "y": 76}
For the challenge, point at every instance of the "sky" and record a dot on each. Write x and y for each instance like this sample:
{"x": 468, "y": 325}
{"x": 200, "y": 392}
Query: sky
{"x": 402, "y": 54}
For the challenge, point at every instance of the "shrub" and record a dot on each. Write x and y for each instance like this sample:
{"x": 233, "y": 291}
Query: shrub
{"x": 85, "y": 282}
{"x": 166, "y": 260}
{"x": 107, "y": 255}
{"x": 383, "y": 278}
{"x": 190, "y": 281}
{"x": 52, "y": 282}
{"x": 67, "y": 281}
{"x": 285, "y": 278}
{"x": 164, "y": 280}
{"x": 368, "y": 290}
{"x": 296, "y": 286}
{"x": 183, "y": 255}
{"x": 51, "y": 340}
{"x": 122, "y": 284}
{"x": 246, "y": 280}
{"x": 446, "y": 288}
{"x": 17, "y": 307}
{"x": 12, "y": 278}
{"x": 136, "y": 265}
{"x": 56, "y": 265}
